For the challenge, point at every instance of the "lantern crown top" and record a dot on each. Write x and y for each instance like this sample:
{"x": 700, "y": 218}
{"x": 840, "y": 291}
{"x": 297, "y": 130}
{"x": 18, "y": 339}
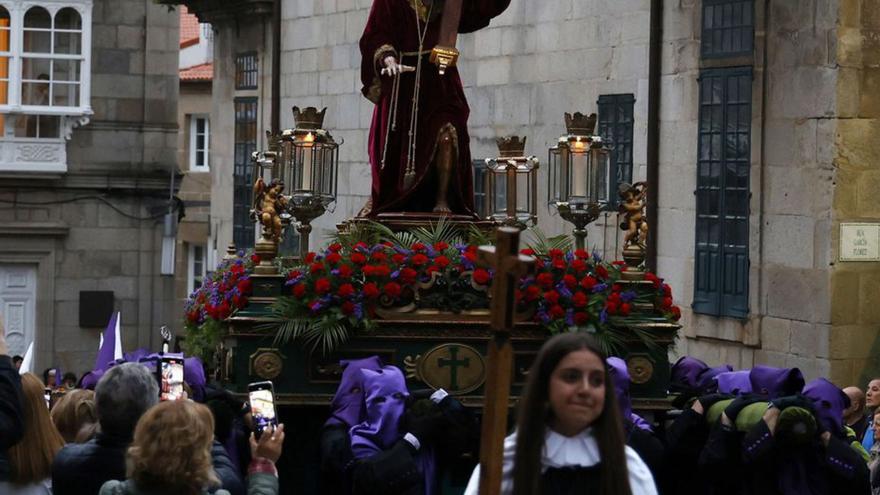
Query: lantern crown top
{"x": 511, "y": 146}
{"x": 309, "y": 117}
{"x": 579, "y": 124}
{"x": 273, "y": 139}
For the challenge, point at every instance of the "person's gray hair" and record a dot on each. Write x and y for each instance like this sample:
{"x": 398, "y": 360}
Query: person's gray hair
{"x": 122, "y": 396}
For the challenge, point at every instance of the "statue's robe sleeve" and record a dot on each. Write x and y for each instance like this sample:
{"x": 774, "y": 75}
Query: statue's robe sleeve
{"x": 377, "y": 42}
{"x": 476, "y": 14}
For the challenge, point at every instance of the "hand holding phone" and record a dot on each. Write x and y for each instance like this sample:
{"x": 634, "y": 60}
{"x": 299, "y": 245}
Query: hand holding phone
{"x": 261, "y": 396}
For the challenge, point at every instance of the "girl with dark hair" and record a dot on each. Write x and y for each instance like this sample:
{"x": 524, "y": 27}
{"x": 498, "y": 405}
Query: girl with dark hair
{"x": 569, "y": 437}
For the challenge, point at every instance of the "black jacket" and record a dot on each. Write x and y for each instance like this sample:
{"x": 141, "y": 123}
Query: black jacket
{"x": 11, "y": 421}
{"x": 81, "y": 469}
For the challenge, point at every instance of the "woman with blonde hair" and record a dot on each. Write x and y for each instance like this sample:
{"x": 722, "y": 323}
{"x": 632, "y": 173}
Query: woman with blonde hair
{"x": 75, "y": 416}
{"x": 171, "y": 453}
{"x": 30, "y": 460}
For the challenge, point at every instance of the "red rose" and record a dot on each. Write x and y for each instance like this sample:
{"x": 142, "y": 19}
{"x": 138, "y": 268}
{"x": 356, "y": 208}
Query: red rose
{"x": 556, "y": 312}
{"x": 470, "y": 256}
{"x": 358, "y": 258}
{"x": 581, "y": 318}
{"x": 335, "y": 247}
{"x": 676, "y": 313}
{"x": 392, "y": 289}
{"x": 581, "y": 254}
{"x": 611, "y": 307}
{"x": 408, "y": 275}
{"x": 237, "y": 269}
{"x": 551, "y": 296}
{"x": 556, "y": 253}
{"x": 667, "y": 290}
{"x": 345, "y": 271}
{"x": 345, "y": 290}
{"x": 602, "y": 272}
{"x": 570, "y": 281}
{"x": 333, "y": 258}
{"x": 532, "y": 292}
{"x": 255, "y": 259}
{"x": 653, "y": 279}
{"x": 441, "y": 261}
{"x": 292, "y": 275}
{"x": 379, "y": 256}
{"x": 616, "y": 288}
{"x": 322, "y": 285}
{"x": 245, "y": 286}
{"x": 398, "y": 258}
{"x": 614, "y": 297}
{"x": 310, "y": 257}
{"x": 471, "y": 249}
{"x": 625, "y": 309}
{"x": 481, "y": 276}
{"x": 347, "y": 308}
{"x": 419, "y": 259}
{"x": 381, "y": 270}
{"x": 667, "y": 303}
{"x": 299, "y": 290}
{"x": 579, "y": 299}
{"x": 431, "y": 269}
{"x": 559, "y": 263}
{"x": 371, "y": 290}
{"x": 316, "y": 267}
{"x": 418, "y": 247}
{"x": 527, "y": 252}
{"x": 588, "y": 282}
{"x": 579, "y": 266}
{"x": 545, "y": 280}
{"x": 441, "y": 246}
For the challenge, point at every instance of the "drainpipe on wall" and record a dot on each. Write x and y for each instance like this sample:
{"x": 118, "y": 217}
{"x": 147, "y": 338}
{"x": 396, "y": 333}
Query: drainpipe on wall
{"x": 275, "y": 117}
{"x": 653, "y": 151}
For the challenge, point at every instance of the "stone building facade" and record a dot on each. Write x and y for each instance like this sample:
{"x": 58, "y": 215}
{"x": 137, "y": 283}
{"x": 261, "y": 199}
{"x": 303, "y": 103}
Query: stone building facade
{"x": 82, "y": 208}
{"x": 766, "y": 115}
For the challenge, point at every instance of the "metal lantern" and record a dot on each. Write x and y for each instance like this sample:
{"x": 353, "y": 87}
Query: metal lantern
{"x": 579, "y": 174}
{"x": 309, "y": 167}
{"x": 512, "y": 184}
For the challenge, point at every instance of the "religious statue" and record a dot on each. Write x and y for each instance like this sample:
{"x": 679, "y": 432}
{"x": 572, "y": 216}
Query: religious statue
{"x": 632, "y": 207}
{"x": 419, "y": 146}
{"x": 267, "y": 208}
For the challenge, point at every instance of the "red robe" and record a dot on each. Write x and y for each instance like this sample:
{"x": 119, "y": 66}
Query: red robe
{"x": 391, "y": 30}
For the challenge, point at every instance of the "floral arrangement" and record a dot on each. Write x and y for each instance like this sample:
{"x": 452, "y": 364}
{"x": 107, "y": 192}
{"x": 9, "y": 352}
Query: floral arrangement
{"x": 223, "y": 292}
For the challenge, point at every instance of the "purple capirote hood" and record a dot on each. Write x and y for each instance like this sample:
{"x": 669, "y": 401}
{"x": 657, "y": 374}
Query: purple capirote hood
{"x": 776, "y": 382}
{"x": 829, "y": 401}
{"x": 706, "y": 383}
{"x": 347, "y": 406}
{"x": 90, "y": 379}
{"x": 194, "y": 376}
{"x": 620, "y": 378}
{"x": 385, "y": 403}
{"x": 734, "y": 382}
{"x": 685, "y": 373}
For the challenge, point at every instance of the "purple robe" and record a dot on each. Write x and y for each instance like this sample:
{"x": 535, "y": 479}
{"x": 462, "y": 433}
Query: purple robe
{"x": 620, "y": 377}
{"x": 776, "y": 382}
{"x": 392, "y": 30}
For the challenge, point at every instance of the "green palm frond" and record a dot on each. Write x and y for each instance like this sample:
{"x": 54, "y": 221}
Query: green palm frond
{"x": 329, "y": 335}
{"x": 541, "y": 244}
{"x": 610, "y": 341}
{"x": 442, "y": 231}
{"x": 479, "y": 237}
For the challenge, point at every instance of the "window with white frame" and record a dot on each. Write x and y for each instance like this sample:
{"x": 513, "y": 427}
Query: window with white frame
{"x": 196, "y": 267}
{"x": 199, "y": 143}
{"x": 45, "y": 48}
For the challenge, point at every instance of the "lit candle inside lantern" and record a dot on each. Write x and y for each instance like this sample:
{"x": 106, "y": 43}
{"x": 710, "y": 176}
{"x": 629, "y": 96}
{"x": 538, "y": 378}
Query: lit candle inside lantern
{"x": 308, "y": 151}
{"x": 579, "y": 168}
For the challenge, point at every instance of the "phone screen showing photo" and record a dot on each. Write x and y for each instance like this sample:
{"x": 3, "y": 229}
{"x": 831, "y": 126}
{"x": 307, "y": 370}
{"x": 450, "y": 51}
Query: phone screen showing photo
{"x": 171, "y": 373}
{"x": 47, "y": 395}
{"x": 262, "y": 409}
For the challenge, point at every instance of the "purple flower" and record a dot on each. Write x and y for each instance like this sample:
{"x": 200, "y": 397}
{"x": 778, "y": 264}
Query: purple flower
{"x": 603, "y": 316}
{"x": 596, "y": 257}
{"x": 569, "y": 317}
{"x": 599, "y": 288}
{"x": 627, "y": 296}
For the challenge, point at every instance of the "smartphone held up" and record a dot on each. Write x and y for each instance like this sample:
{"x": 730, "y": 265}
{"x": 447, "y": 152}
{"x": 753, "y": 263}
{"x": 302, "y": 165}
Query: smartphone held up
{"x": 261, "y": 396}
{"x": 170, "y": 378}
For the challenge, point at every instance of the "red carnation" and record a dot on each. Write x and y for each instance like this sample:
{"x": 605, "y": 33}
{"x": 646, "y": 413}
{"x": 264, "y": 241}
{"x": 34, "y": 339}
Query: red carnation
{"x": 545, "y": 280}
{"x": 614, "y": 297}
{"x": 345, "y": 290}
{"x": 556, "y": 253}
{"x": 419, "y": 259}
{"x": 293, "y": 274}
{"x": 345, "y": 271}
{"x": 611, "y": 307}
{"x": 358, "y": 258}
{"x": 581, "y": 318}
{"x": 602, "y": 272}
{"x": 527, "y": 252}
{"x": 441, "y": 246}
{"x": 676, "y": 313}
{"x": 581, "y": 254}
{"x": 371, "y": 290}
{"x": 408, "y": 275}
{"x": 322, "y": 285}
{"x": 588, "y": 282}
{"x": 667, "y": 303}
{"x": 347, "y": 308}
{"x": 379, "y": 256}
{"x": 236, "y": 269}
{"x": 392, "y": 289}
{"x": 398, "y": 258}
{"x": 335, "y": 247}
{"x": 667, "y": 290}
{"x": 470, "y": 256}
{"x": 481, "y": 276}
{"x": 579, "y": 266}
{"x": 551, "y": 296}
{"x": 431, "y": 269}
{"x": 245, "y": 286}
{"x": 570, "y": 281}
{"x": 333, "y": 258}
{"x": 418, "y": 247}
{"x": 310, "y": 257}
{"x": 625, "y": 308}
{"x": 532, "y": 292}
{"x": 381, "y": 270}
{"x": 255, "y": 259}
{"x": 471, "y": 249}
{"x": 559, "y": 263}
{"x": 579, "y": 299}
{"x": 316, "y": 267}
{"x": 299, "y": 290}
{"x": 556, "y": 312}
{"x": 441, "y": 261}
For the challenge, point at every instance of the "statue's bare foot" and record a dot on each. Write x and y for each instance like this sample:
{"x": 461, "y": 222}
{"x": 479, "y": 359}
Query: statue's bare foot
{"x": 442, "y": 208}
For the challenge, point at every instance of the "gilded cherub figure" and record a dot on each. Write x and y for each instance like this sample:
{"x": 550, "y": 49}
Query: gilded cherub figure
{"x": 632, "y": 207}
{"x": 267, "y": 207}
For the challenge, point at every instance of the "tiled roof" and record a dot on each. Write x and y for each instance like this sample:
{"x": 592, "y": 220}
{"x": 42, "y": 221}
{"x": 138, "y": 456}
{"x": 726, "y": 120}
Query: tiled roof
{"x": 189, "y": 28}
{"x": 202, "y": 72}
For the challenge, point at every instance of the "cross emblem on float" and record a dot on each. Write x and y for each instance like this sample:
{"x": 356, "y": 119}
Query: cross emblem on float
{"x": 453, "y": 363}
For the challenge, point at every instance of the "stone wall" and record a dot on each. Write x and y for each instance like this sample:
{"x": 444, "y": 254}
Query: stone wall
{"x": 97, "y": 228}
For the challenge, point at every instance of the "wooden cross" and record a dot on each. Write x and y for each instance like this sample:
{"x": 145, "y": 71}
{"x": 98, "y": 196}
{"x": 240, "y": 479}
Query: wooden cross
{"x": 510, "y": 267}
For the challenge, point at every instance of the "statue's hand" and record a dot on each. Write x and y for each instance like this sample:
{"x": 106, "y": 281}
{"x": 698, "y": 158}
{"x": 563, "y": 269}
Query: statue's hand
{"x": 392, "y": 68}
